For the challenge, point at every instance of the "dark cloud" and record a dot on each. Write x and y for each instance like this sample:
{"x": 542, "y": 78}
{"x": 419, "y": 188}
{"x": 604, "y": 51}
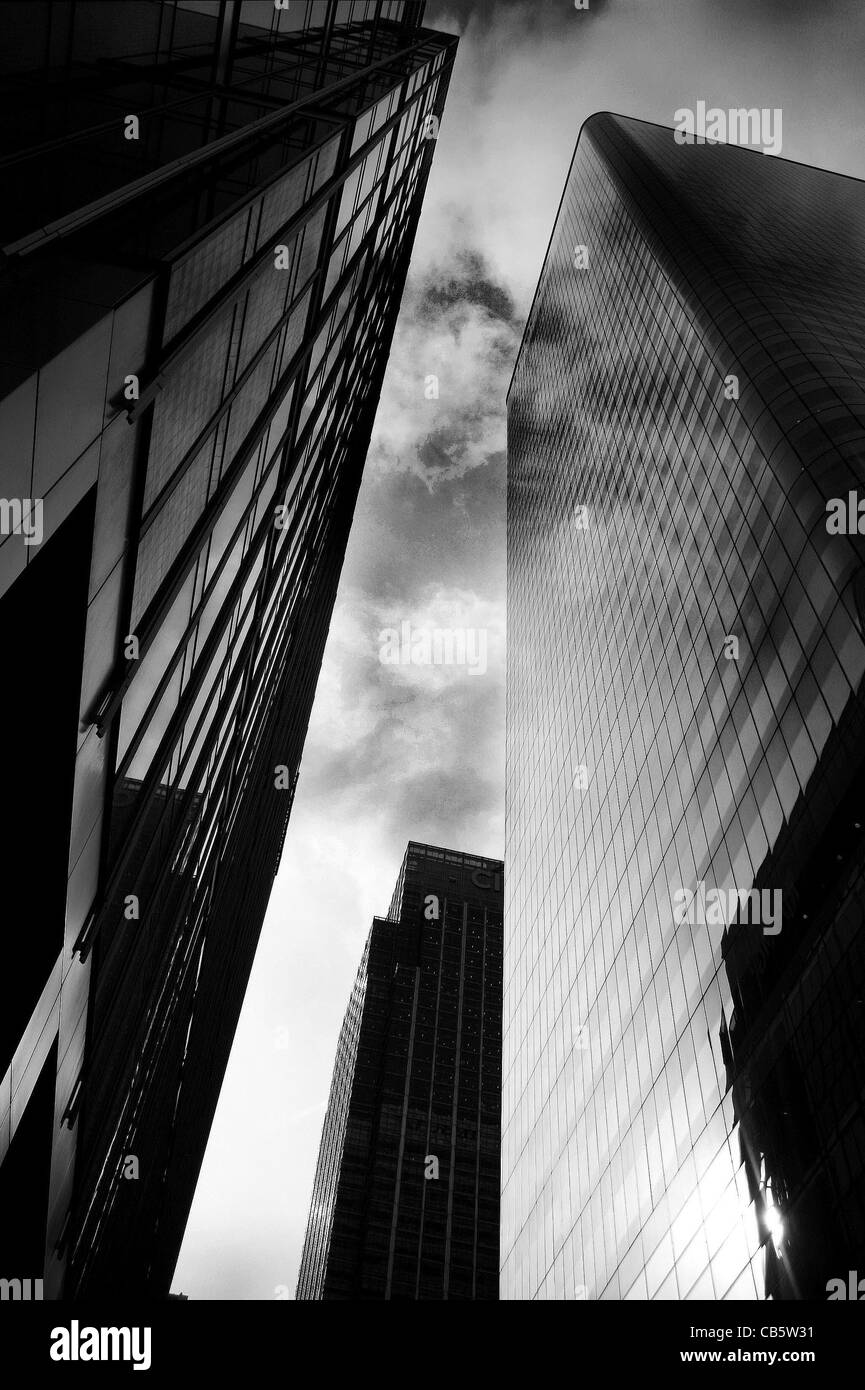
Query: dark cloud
{"x": 467, "y": 281}
{"x": 433, "y": 453}
{"x": 443, "y": 407}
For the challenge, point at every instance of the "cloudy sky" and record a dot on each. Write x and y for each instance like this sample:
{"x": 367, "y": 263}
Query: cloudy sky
{"x": 395, "y": 753}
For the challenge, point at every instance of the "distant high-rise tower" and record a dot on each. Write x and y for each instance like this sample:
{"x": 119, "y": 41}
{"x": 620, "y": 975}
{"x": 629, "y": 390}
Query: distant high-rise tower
{"x": 405, "y": 1203}
{"x": 207, "y": 217}
{"x": 684, "y": 1087}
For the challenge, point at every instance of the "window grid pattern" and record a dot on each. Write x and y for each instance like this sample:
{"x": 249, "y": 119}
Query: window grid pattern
{"x": 417, "y": 1077}
{"x": 220, "y": 699}
{"x": 626, "y": 1171}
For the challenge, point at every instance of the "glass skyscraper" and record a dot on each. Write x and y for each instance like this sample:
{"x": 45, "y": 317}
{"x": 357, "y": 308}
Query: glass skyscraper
{"x": 405, "y": 1203}
{"x": 207, "y": 219}
{"x": 684, "y": 1073}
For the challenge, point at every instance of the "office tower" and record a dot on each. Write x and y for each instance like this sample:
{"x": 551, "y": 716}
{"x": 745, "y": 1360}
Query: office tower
{"x": 683, "y": 1084}
{"x": 207, "y": 219}
{"x": 405, "y": 1203}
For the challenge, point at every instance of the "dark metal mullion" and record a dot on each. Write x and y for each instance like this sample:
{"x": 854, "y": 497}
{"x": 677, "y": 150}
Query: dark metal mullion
{"x": 103, "y": 128}
{"x": 137, "y": 188}
{"x": 106, "y": 713}
{"x": 289, "y": 229}
{"x": 129, "y": 566}
{"x": 213, "y": 104}
{"x": 374, "y": 25}
{"x": 252, "y": 47}
{"x": 253, "y": 745}
{"x": 98, "y": 916}
{"x": 322, "y": 532}
{"x": 200, "y": 669}
{"x": 304, "y": 571}
{"x": 289, "y": 571}
{"x": 224, "y": 616}
{"x": 166, "y": 750}
{"x": 302, "y": 578}
{"x": 485, "y": 970}
{"x": 320, "y": 474}
{"x": 147, "y": 790}
{"x": 193, "y": 957}
{"x": 97, "y": 919}
{"x": 305, "y": 575}
{"x": 164, "y": 755}
{"x": 364, "y": 251}
{"x": 359, "y": 365}
{"x": 283, "y": 71}
{"x": 207, "y": 593}
{"x": 319, "y": 310}
{"x": 323, "y": 55}
{"x": 274, "y": 103}
{"x": 287, "y": 724}
{"x": 225, "y": 405}
{"x": 278, "y": 689}
{"x": 187, "y": 555}
{"x": 130, "y": 1104}
{"x": 185, "y": 666}
{"x": 229, "y": 26}
{"x": 124, "y": 1111}
{"x": 197, "y": 936}
{"x": 290, "y": 577}
{"x": 299, "y": 387}
{"x": 189, "y": 694}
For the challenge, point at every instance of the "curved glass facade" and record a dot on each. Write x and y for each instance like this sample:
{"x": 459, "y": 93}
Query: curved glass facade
{"x": 683, "y": 1084}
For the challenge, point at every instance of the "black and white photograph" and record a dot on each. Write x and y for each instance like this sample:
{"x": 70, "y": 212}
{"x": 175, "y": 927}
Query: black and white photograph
{"x": 432, "y": 624}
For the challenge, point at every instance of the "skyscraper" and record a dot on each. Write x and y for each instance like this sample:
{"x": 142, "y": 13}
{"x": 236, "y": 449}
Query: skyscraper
{"x": 405, "y": 1203}
{"x": 684, "y": 1072}
{"x": 208, "y": 215}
